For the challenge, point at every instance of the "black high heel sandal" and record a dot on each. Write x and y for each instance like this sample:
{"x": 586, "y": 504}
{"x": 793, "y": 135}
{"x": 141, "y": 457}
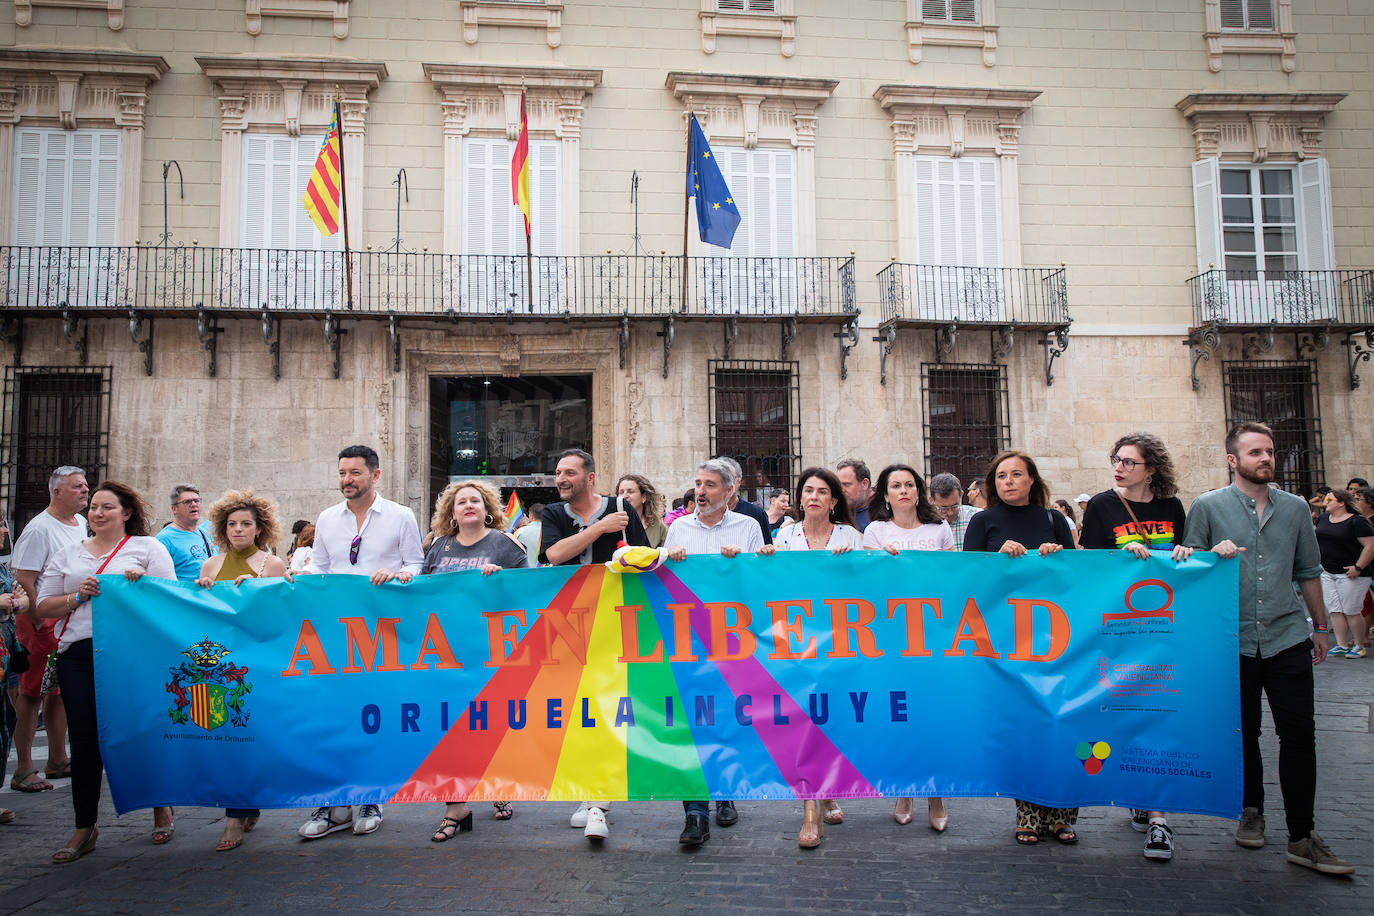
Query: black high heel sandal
{"x": 450, "y": 827}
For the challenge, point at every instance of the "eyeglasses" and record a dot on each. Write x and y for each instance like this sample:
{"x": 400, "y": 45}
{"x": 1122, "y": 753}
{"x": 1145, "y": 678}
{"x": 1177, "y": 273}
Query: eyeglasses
{"x": 189, "y": 502}
{"x": 354, "y": 548}
{"x": 1128, "y": 464}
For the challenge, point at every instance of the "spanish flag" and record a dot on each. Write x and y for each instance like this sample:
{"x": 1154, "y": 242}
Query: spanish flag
{"x": 322, "y": 191}
{"x": 520, "y": 167}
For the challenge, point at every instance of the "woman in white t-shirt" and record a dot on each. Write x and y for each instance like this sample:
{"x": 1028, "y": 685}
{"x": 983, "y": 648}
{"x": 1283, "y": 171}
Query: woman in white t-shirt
{"x": 901, "y": 517}
{"x": 826, "y": 524}
{"x": 118, "y": 519}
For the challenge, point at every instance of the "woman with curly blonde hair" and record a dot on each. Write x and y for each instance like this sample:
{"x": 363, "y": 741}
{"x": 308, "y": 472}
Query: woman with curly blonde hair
{"x": 467, "y": 532}
{"x": 636, "y": 490}
{"x": 245, "y": 526}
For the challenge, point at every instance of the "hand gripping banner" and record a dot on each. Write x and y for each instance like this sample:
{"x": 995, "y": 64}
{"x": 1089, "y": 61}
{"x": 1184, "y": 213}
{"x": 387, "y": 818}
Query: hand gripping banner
{"x": 1085, "y": 678}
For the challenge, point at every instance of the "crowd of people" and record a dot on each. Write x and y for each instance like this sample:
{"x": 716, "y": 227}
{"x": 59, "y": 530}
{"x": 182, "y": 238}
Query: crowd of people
{"x": 1302, "y": 576}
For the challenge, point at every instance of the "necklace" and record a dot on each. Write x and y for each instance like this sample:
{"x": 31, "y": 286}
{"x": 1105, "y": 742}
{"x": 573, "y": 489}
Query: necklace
{"x": 811, "y": 543}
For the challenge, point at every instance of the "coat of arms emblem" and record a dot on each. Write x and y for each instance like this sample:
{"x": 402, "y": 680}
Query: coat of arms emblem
{"x": 209, "y": 689}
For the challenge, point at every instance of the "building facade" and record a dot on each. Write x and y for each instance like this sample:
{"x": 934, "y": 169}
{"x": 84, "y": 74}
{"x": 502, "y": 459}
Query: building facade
{"x": 967, "y": 225}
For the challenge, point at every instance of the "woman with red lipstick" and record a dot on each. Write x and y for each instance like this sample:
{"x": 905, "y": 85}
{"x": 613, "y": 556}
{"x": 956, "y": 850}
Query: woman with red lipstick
{"x": 826, "y": 524}
{"x": 902, "y": 517}
{"x": 1018, "y": 520}
{"x": 1142, "y": 516}
{"x": 468, "y": 532}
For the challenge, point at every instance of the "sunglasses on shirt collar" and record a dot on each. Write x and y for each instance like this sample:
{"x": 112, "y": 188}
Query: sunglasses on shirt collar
{"x": 354, "y": 548}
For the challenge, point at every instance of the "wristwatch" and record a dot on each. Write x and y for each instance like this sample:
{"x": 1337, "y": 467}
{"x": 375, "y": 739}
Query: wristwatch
{"x": 1359, "y": 570}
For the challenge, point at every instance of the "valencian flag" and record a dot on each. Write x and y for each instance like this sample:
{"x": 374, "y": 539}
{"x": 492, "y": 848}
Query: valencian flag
{"x": 520, "y": 167}
{"x": 717, "y": 215}
{"x": 322, "y": 191}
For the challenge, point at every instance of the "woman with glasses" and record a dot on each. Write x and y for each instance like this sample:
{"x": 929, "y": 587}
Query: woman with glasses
{"x": 1346, "y": 540}
{"x": 1141, "y": 515}
{"x": 245, "y": 527}
{"x": 468, "y": 533}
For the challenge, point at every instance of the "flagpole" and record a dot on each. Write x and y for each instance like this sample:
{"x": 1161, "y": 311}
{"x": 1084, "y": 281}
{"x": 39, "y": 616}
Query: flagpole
{"x": 529, "y": 225}
{"x": 343, "y": 205}
{"x": 686, "y": 205}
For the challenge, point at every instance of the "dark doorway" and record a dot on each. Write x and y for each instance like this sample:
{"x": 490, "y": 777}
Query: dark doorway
{"x": 497, "y": 427}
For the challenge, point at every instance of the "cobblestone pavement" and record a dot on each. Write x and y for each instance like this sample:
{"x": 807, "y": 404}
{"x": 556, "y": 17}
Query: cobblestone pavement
{"x": 536, "y": 864}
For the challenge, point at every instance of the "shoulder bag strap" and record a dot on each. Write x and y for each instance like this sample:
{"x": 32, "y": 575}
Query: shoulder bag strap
{"x": 118, "y": 546}
{"x": 1139, "y": 529}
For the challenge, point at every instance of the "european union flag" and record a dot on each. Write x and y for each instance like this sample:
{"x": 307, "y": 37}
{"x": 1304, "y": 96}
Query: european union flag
{"x": 717, "y": 215}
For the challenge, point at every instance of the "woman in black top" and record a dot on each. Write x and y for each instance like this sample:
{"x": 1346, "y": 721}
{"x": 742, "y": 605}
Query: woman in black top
{"x": 1142, "y": 516}
{"x": 1346, "y": 541}
{"x": 1018, "y": 520}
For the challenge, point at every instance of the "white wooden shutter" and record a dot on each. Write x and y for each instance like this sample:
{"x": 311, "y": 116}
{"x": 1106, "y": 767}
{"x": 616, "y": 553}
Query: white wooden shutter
{"x": 763, "y": 185}
{"x": 958, "y": 211}
{"x": 949, "y": 10}
{"x": 1207, "y": 213}
{"x": 66, "y": 187}
{"x": 1315, "y": 244}
{"x": 276, "y": 170}
{"x": 492, "y": 223}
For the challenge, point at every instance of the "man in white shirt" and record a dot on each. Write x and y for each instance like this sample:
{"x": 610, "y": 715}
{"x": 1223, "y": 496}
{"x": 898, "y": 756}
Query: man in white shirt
{"x": 365, "y": 535}
{"x": 57, "y": 526}
{"x": 711, "y": 528}
{"x": 188, "y": 537}
{"x": 946, "y": 495}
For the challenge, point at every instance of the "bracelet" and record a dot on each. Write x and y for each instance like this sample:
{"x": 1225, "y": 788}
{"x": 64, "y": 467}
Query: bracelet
{"x": 1320, "y": 628}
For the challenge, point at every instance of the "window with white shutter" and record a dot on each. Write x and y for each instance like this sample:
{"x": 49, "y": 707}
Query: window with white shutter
{"x": 65, "y": 194}
{"x": 1248, "y": 15}
{"x": 958, "y": 211}
{"x": 276, "y": 170}
{"x": 949, "y": 11}
{"x": 747, "y": 6}
{"x": 1250, "y": 27}
{"x": 494, "y": 227}
{"x": 492, "y": 223}
{"x": 285, "y": 261}
{"x": 1269, "y": 228}
{"x": 66, "y": 187}
{"x": 763, "y": 184}
{"x": 750, "y": 18}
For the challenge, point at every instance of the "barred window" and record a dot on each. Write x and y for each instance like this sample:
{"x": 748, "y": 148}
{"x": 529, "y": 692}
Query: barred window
{"x": 53, "y": 416}
{"x": 1284, "y": 396}
{"x": 755, "y": 419}
{"x": 966, "y": 418}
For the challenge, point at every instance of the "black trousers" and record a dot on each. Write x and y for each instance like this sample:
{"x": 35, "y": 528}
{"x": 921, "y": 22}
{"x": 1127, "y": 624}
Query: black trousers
{"x": 76, "y": 676}
{"x": 1286, "y": 679}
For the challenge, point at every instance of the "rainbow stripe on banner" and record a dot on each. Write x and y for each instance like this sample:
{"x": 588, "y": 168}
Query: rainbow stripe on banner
{"x": 1083, "y": 678}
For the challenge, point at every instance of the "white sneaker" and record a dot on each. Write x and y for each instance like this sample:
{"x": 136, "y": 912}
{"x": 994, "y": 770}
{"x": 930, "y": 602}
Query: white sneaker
{"x": 596, "y": 825}
{"x": 369, "y": 819}
{"x": 579, "y": 817}
{"x": 325, "y": 821}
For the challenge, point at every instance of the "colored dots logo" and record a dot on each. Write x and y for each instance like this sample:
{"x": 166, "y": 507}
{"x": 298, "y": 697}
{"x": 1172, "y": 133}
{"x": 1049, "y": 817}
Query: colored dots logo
{"x": 1092, "y": 753}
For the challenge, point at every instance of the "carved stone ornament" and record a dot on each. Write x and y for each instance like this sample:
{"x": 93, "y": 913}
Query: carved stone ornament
{"x": 114, "y": 10}
{"x": 336, "y": 10}
{"x": 1258, "y": 125}
{"x": 90, "y": 88}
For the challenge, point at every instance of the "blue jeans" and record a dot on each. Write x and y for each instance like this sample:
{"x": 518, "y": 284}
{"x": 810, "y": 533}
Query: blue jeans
{"x": 697, "y": 807}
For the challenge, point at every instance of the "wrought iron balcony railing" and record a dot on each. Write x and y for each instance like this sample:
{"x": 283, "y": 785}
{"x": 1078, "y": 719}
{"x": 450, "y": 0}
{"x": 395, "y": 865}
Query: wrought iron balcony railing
{"x": 168, "y": 278}
{"x": 1284, "y": 298}
{"x": 974, "y": 295}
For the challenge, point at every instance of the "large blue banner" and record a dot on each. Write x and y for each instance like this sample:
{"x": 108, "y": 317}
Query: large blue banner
{"x": 1084, "y": 678}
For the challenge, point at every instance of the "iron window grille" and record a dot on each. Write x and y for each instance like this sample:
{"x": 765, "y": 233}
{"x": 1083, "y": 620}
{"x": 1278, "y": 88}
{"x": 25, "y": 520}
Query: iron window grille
{"x": 1284, "y": 396}
{"x": 966, "y": 417}
{"x": 52, "y": 416}
{"x": 755, "y": 417}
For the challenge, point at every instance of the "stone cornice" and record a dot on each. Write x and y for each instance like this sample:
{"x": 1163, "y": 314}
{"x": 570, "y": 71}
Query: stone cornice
{"x": 328, "y": 70}
{"x": 797, "y": 89}
{"x": 892, "y": 96}
{"x": 1255, "y": 125}
{"x": 90, "y": 63}
{"x": 502, "y": 76}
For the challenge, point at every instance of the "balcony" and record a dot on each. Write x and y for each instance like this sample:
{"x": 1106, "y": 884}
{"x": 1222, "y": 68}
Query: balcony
{"x": 386, "y": 283}
{"x": 1311, "y": 304}
{"x": 393, "y": 286}
{"x": 1002, "y": 300}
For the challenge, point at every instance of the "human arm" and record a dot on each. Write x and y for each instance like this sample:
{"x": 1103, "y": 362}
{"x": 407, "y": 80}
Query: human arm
{"x": 558, "y": 550}
{"x": 1311, "y": 590}
{"x": 1361, "y": 567}
{"x": 208, "y": 570}
{"x": 27, "y": 579}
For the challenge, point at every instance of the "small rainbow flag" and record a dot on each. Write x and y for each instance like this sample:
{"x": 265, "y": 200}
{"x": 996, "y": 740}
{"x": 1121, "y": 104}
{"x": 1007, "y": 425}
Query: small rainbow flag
{"x": 514, "y": 511}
